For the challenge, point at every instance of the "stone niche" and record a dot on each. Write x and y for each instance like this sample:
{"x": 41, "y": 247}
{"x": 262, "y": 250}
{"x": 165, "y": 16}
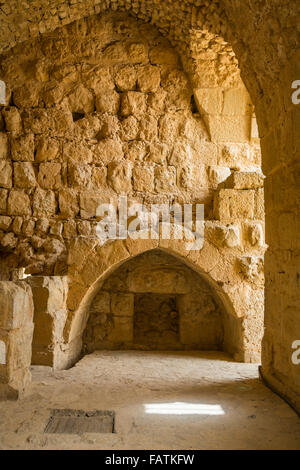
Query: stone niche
{"x": 154, "y": 302}
{"x": 107, "y": 108}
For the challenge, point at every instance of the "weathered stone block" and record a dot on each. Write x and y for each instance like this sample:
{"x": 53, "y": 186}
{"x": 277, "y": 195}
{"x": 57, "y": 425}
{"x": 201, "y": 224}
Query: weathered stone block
{"x": 159, "y": 281}
{"x": 84, "y": 228}
{"x": 61, "y": 120}
{"x": 50, "y": 314}
{"x": 138, "y": 52}
{"x": 169, "y": 127}
{"x": 135, "y": 151}
{"x": 54, "y": 246}
{"x": 133, "y": 102}
{"x": 100, "y": 79}
{"x": 13, "y": 121}
{"x": 68, "y": 202}
{"x": 108, "y": 102}
{"x": 181, "y": 154}
{"x": 148, "y": 128}
{"x": 157, "y": 101}
{"x": 3, "y": 146}
{"x": 126, "y": 78}
{"x": 70, "y": 229}
{"x": 119, "y": 176}
{"x": 49, "y": 176}
{"x": 143, "y": 178}
{"x": 218, "y": 174}
{"x": 26, "y": 96}
{"x": 5, "y": 222}
{"x": 24, "y": 175}
{"x": 16, "y": 305}
{"x": 49, "y": 293}
{"x": 259, "y": 204}
{"x": 165, "y": 179}
{"x": 42, "y": 225}
{"x": 18, "y": 359}
{"x": 9, "y": 241}
{"x": 90, "y": 202}
{"x": 223, "y": 236}
{"x": 99, "y": 176}
{"x": 114, "y": 53}
{"x": 237, "y": 102}
{"x": 81, "y": 100}
{"x": 28, "y": 227}
{"x": 256, "y": 235}
{"x": 252, "y": 268}
{"x": 158, "y": 153}
{"x": 47, "y": 149}
{"x": 56, "y": 227}
{"x": 17, "y": 225}
{"x": 148, "y": 78}
{"x": 44, "y": 203}
{"x": 77, "y": 152}
{"x": 228, "y": 128}
{"x": 3, "y": 201}
{"x": 122, "y": 305}
{"x": 110, "y": 127}
{"x": 209, "y": 100}
{"x": 237, "y": 155}
{"x": 245, "y": 180}
{"x": 22, "y": 148}
{"x": 79, "y": 175}
{"x": 108, "y": 150}
{"x": 52, "y": 95}
{"x": 18, "y": 203}
{"x": 5, "y": 174}
{"x": 130, "y": 128}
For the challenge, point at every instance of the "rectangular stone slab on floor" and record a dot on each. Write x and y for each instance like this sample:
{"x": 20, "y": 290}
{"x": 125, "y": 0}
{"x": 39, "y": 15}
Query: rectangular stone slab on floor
{"x": 79, "y": 422}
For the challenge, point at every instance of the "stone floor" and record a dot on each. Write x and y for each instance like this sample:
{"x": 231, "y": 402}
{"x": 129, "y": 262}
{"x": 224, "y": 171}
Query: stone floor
{"x": 162, "y": 400}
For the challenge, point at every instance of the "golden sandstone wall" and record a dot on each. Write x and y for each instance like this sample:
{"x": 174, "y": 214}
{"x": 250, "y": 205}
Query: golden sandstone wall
{"x": 101, "y": 108}
{"x": 265, "y": 39}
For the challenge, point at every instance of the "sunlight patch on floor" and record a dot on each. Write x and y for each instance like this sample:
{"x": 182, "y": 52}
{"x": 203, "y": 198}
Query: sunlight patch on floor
{"x": 181, "y": 408}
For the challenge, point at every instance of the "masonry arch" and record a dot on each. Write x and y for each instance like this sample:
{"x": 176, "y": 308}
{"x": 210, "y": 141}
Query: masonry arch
{"x": 269, "y": 63}
{"x": 221, "y": 275}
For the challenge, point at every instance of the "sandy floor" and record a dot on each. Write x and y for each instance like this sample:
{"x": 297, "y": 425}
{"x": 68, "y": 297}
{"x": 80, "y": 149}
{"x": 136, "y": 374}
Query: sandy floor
{"x": 222, "y": 405}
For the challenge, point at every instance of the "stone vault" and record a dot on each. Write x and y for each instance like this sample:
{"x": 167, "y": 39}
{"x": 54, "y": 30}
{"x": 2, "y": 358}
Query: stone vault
{"x": 34, "y": 170}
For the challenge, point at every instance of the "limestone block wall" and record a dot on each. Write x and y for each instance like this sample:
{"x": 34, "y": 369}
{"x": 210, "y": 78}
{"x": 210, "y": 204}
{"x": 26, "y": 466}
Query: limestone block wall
{"x": 50, "y": 313}
{"x": 268, "y": 55}
{"x": 16, "y": 330}
{"x": 103, "y": 107}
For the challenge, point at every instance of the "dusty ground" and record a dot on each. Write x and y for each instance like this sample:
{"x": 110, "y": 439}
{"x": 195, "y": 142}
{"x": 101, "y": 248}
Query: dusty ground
{"x": 254, "y": 417}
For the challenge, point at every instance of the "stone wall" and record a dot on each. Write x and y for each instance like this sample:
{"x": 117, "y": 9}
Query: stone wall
{"x": 103, "y": 107}
{"x": 50, "y": 313}
{"x": 154, "y": 302}
{"x": 16, "y": 330}
{"x": 265, "y": 39}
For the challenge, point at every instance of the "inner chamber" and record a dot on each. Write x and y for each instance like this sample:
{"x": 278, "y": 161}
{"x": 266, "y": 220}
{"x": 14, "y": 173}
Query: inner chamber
{"x": 154, "y": 302}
